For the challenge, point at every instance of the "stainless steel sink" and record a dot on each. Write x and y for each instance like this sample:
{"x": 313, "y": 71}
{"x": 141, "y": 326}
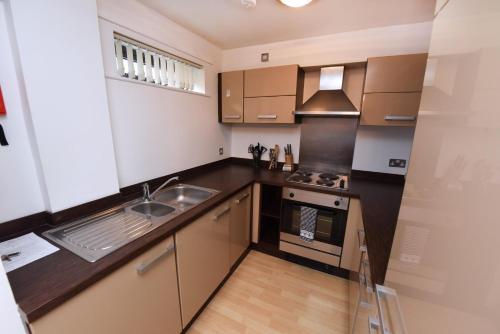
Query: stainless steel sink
{"x": 152, "y": 209}
{"x": 94, "y": 237}
{"x": 184, "y": 196}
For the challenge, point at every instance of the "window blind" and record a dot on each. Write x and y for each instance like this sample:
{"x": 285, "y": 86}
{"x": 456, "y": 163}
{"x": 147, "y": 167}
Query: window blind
{"x": 138, "y": 61}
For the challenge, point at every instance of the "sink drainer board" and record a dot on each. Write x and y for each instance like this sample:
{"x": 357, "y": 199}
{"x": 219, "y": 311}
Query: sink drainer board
{"x": 93, "y": 238}
{"x": 98, "y": 237}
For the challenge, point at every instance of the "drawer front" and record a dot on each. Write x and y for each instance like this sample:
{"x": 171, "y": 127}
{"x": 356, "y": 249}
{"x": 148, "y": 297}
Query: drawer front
{"x": 278, "y": 109}
{"x": 232, "y": 97}
{"x": 271, "y": 81}
{"x": 395, "y": 73}
{"x": 390, "y": 109}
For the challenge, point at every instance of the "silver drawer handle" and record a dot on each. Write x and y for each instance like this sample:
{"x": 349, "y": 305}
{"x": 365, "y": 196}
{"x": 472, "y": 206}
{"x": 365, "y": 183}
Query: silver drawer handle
{"x": 400, "y": 118}
{"x": 238, "y": 201}
{"x": 143, "y": 267}
{"x": 232, "y": 117}
{"x": 373, "y": 324}
{"x": 220, "y": 214}
{"x": 267, "y": 116}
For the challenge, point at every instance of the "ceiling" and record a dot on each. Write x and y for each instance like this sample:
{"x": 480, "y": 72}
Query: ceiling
{"x": 228, "y": 24}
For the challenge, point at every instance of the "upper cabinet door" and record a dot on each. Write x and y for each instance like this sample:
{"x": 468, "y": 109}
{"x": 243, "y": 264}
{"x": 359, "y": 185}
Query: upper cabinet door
{"x": 231, "y": 97}
{"x": 395, "y": 73}
{"x": 390, "y": 109}
{"x": 271, "y": 81}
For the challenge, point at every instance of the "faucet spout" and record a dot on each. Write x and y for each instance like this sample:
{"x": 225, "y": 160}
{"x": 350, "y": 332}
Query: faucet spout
{"x": 149, "y": 196}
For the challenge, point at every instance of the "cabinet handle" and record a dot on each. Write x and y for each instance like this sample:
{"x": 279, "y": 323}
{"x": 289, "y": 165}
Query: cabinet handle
{"x": 373, "y": 324}
{"x": 399, "y": 118}
{"x": 232, "y": 117}
{"x": 361, "y": 240}
{"x": 143, "y": 267}
{"x": 383, "y": 292}
{"x": 220, "y": 214}
{"x": 238, "y": 201}
{"x": 267, "y": 116}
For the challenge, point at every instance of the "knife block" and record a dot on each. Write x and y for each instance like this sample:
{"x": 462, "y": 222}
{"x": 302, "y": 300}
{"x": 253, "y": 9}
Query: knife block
{"x": 288, "y": 166}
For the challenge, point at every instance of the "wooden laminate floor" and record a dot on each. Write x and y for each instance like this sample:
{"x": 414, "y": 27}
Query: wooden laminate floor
{"x": 269, "y": 295}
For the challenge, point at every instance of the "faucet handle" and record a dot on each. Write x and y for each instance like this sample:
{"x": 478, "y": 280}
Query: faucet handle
{"x": 145, "y": 192}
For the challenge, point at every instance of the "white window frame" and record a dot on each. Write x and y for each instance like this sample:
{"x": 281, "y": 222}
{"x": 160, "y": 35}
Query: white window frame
{"x": 179, "y": 73}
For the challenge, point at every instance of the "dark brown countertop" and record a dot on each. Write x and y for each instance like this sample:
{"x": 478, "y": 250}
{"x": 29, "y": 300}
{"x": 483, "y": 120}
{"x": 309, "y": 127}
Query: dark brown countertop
{"x": 46, "y": 283}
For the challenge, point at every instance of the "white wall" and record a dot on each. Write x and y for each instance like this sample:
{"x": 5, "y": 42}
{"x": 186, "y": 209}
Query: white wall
{"x": 62, "y": 67}
{"x": 158, "y": 131}
{"x": 20, "y": 193}
{"x": 375, "y": 146}
{"x": 333, "y": 49}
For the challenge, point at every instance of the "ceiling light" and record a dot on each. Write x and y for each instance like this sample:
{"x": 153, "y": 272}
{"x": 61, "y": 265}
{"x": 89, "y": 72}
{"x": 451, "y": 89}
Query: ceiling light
{"x": 295, "y": 3}
{"x": 249, "y": 3}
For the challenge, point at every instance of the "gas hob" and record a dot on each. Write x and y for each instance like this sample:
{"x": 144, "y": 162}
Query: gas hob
{"x": 330, "y": 180}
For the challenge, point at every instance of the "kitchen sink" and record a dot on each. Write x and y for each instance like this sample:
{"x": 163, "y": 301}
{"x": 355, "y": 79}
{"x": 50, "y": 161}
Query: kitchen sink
{"x": 184, "y": 196}
{"x": 94, "y": 237}
{"x": 152, "y": 209}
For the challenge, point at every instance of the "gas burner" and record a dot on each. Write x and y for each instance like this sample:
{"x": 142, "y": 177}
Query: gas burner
{"x": 300, "y": 178}
{"x": 325, "y": 182}
{"x": 328, "y": 176}
{"x": 303, "y": 172}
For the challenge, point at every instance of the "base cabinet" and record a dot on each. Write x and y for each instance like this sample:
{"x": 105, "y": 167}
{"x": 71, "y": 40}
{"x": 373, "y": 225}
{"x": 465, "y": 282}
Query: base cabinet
{"x": 202, "y": 259}
{"x": 140, "y": 297}
{"x": 239, "y": 226}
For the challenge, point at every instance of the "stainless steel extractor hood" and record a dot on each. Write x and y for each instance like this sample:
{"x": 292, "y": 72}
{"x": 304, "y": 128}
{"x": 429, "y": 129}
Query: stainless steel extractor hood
{"x": 330, "y": 99}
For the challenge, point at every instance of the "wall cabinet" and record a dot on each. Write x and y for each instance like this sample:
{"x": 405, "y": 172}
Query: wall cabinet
{"x": 239, "y": 224}
{"x": 390, "y": 109}
{"x": 392, "y": 90}
{"x": 202, "y": 259}
{"x": 393, "y": 74}
{"x": 231, "y": 97}
{"x": 275, "y": 109}
{"x": 271, "y": 81}
{"x": 140, "y": 297}
{"x": 263, "y": 95}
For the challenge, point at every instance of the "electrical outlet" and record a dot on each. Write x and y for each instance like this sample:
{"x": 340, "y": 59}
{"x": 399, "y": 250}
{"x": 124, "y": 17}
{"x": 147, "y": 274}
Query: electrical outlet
{"x": 398, "y": 163}
{"x": 221, "y": 150}
{"x": 264, "y": 57}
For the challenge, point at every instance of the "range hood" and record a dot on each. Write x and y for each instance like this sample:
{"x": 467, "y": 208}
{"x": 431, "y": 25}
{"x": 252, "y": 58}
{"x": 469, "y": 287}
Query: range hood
{"x": 330, "y": 99}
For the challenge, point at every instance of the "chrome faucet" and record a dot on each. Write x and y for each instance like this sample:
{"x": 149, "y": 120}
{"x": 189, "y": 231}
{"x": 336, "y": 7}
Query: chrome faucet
{"x": 147, "y": 197}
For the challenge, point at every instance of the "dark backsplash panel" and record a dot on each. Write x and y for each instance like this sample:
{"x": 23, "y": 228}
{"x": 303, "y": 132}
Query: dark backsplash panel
{"x": 327, "y": 143}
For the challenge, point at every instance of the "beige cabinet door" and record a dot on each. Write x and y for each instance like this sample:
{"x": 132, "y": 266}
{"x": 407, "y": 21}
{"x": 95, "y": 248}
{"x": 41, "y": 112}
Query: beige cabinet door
{"x": 232, "y": 97}
{"x": 277, "y": 109}
{"x": 239, "y": 226}
{"x": 390, "y": 109}
{"x": 202, "y": 259}
{"x": 271, "y": 81}
{"x": 126, "y": 301}
{"x": 351, "y": 253}
{"x": 393, "y": 74}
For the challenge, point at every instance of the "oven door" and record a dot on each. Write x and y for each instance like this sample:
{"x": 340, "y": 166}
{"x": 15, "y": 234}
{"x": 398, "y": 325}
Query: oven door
{"x": 330, "y": 222}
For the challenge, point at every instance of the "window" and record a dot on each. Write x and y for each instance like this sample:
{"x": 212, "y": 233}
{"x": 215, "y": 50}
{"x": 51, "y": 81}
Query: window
{"x": 138, "y": 61}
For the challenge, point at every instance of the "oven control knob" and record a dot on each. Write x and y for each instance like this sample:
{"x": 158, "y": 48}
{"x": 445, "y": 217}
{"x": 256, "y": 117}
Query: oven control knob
{"x": 292, "y": 194}
{"x": 337, "y": 203}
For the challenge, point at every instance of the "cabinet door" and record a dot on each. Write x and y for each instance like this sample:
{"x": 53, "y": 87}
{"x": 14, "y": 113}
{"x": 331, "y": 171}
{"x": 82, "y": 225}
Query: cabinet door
{"x": 239, "y": 227}
{"x": 232, "y": 97}
{"x": 125, "y": 301}
{"x": 392, "y": 109}
{"x": 271, "y": 81}
{"x": 351, "y": 253}
{"x": 202, "y": 259}
{"x": 395, "y": 73}
{"x": 277, "y": 109}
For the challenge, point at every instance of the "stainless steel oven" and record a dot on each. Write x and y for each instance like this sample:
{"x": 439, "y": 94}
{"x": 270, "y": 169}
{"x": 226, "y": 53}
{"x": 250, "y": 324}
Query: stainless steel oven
{"x": 330, "y": 225}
